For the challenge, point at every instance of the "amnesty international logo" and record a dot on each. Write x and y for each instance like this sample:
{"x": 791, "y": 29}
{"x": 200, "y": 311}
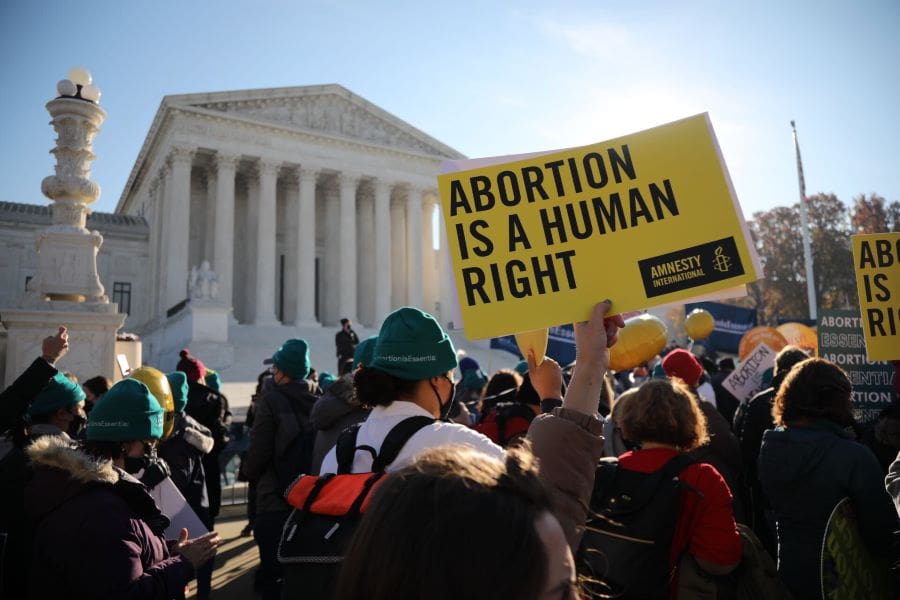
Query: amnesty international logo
{"x": 691, "y": 267}
{"x": 721, "y": 262}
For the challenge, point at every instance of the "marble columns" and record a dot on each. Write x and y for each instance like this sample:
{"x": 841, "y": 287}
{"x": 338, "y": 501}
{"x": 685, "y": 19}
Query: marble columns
{"x": 414, "y": 262}
{"x": 265, "y": 244}
{"x": 223, "y": 235}
{"x": 382, "y": 250}
{"x": 177, "y": 218}
{"x": 347, "y": 248}
{"x": 306, "y": 246}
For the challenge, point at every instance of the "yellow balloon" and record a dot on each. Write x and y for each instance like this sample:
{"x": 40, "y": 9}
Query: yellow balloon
{"x": 641, "y": 339}
{"x": 799, "y": 335}
{"x": 80, "y": 76}
{"x": 158, "y": 384}
{"x": 699, "y": 324}
{"x": 533, "y": 341}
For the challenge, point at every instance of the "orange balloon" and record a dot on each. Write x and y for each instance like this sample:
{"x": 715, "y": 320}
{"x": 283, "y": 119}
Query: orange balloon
{"x": 699, "y": 324}
{"x": 800, "y": 335}
{"x": 641, "y": 339}
{"x": 759, "y": 335}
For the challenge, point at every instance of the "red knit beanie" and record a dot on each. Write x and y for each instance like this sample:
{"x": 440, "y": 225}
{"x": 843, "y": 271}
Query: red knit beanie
{"x": 682, "y": 364}
{"x": 192, "y": 367}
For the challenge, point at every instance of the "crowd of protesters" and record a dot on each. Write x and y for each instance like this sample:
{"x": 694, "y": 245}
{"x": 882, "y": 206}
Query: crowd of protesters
{"x": 511, "y": 484}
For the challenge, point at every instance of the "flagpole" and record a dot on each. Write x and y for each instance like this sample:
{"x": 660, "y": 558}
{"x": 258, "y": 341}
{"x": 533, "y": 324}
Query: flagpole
{"x": 804, "y": 224}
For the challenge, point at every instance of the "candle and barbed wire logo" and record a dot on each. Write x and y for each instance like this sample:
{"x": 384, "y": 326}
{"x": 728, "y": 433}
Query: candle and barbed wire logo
{"x": 721, "y": 262}
{"x": 691, "y": 267}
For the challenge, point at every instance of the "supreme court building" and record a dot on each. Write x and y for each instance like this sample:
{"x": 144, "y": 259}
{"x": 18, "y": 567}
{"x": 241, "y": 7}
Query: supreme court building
{"x": 308, "y": 204}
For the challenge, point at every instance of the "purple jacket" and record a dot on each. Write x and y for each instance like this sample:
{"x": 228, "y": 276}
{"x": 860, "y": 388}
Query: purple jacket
{"x": 95, "y": 531}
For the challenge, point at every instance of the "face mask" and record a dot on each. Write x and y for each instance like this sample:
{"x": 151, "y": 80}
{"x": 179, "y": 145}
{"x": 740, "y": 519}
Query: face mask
{"x": 135, "y": 464}
{"x": 76, "y": 426}
{"x": 446, "y": 407}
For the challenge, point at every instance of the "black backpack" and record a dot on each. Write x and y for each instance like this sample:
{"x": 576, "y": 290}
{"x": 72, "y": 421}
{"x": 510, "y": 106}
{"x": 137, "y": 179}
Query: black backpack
{"x": 625, "y": 548}
{"x": 297, "y": 455}
{"x": 327, "y": 510}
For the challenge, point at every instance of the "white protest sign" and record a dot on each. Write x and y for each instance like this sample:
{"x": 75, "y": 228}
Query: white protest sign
{"x": 173, "y": 505}
{"x": 747, "y": 379}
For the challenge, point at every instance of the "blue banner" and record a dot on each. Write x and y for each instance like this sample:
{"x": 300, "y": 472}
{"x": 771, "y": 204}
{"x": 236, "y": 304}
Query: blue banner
{"x": 560, "y": 346}
{"x": 732, "y": 322}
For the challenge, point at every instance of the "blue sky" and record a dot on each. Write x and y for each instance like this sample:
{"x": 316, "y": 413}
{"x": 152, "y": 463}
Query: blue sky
{"x": 487, "y": 78}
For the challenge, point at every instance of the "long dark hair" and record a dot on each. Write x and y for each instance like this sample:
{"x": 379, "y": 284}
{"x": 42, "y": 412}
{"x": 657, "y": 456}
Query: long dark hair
{"x": 455, "y": 524}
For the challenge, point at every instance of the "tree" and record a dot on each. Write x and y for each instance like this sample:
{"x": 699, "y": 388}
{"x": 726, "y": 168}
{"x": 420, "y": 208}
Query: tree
{"x": 776, "y": 233}
{"x": 782, "y": 291}
{"x": 874, "y": 214}
{"x": 832, "y": 253}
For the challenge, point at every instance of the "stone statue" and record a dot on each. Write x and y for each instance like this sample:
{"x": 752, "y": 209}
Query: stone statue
{"x": 203, "y": 283}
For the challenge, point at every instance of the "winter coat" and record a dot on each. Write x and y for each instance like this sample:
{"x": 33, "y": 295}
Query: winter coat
{"x": 210, "y": 409}
{"x": 568, "y": 445}
{"x": 15, "y": 399}
{"x": 275, "y": 426}
{"x": 15, "y": 472}
{"x": 805, "y": 472}
{"x": 183, "y": 452}
{"x": 723, "y": 452}
{"x": 883, "y": 436}
{"x": 335, "y": 411}
{"x": 98, "y": 534}
{"x": 725, "y": 400}
{"x": 345, "y": 343}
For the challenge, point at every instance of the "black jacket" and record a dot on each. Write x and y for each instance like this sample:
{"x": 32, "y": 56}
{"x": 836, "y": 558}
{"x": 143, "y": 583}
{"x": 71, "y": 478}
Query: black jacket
{"x": 345, "y": 342}
{"x": 15, "y": 399}
{"x": 183, "y": 452}
{"x": 281, "y": 415}
{"x": 210, "y": 409}
{"x": 805, "y": 472}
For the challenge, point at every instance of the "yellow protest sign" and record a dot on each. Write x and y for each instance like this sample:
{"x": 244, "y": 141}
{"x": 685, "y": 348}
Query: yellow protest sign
{"x": 645, "y": 220}
{"x": 876, "y": 258}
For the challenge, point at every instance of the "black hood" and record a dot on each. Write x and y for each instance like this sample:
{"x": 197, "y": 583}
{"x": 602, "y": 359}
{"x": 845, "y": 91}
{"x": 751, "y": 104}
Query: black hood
{"x": 790, "y": 454}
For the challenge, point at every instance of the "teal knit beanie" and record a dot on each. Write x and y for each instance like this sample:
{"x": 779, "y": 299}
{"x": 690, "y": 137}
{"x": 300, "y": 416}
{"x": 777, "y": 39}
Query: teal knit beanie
{"x": 212, "y": 380}
{"x": 179, "y": 384}
{"x": 325, "y": 380}
{"x": 412, "y": 345}
{"x": 658, "y": 371}
{"x": 59, "y": 392}
{"x": 473, "y": 379}
{"x": 127, "y": 412}
{"x": 521, "y": 367}
{"x": 364, "y": 352}
{"x": 292, "y": 359}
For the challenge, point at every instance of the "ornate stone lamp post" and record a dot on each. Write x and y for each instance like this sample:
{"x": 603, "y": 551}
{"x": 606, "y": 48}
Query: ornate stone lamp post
{"x": 67, "y": 289}
{"x": 67, "y": 250}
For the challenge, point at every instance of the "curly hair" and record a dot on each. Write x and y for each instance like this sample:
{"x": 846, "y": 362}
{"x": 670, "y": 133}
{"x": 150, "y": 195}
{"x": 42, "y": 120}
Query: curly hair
{"x": 455, "y": 510}
{"x": 373, "y": 387}
{"x": 814, "y": 389}
{"x": 662, "y": 411}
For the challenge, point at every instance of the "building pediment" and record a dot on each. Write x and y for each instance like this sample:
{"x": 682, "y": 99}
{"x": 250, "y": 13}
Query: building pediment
{"x": 328, "y": 109}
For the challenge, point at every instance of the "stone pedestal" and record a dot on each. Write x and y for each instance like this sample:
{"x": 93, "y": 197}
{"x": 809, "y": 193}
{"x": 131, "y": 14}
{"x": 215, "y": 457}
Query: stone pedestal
{"x": 201, "y": 326}
{"x": 92, "y": 337}
{"x": 67, "y": 290}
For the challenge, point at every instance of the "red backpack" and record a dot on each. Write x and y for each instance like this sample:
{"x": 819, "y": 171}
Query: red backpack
{"x": 507, "y": 422}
